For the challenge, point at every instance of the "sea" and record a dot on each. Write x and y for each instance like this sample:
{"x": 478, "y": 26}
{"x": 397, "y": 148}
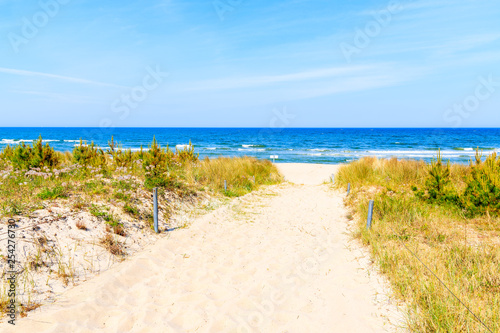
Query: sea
{"x": 297, "y": 145}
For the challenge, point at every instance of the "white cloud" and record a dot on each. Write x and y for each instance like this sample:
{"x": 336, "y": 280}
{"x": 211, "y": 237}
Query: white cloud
{"x": 256, "y": 81}
{"x": 20, "y": 72}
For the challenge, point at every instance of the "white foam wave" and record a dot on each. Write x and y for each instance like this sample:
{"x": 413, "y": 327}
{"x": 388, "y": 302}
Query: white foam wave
{"x": 253, "y": 149}
{"x": 86, "y": 145}
{"x": 411, "y": 152}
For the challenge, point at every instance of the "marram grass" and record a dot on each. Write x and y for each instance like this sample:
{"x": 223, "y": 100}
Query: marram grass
{"x": 37, "y": 177}
{"x": 31, "y": 175}
{"x": 461, "y": 248}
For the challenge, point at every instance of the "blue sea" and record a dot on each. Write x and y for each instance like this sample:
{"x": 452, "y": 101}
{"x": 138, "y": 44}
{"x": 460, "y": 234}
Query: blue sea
{"x": 303, "y": 145}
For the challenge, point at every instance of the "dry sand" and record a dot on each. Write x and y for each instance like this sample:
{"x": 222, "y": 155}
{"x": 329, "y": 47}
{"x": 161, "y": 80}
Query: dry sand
{"x": 276, "y": 260}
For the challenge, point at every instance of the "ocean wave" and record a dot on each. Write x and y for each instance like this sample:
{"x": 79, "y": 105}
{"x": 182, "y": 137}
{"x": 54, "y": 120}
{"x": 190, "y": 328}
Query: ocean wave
{"x": 419, "y": 152}
{"x": 318, "y": 149}
{"x": 250, "y": 146}
{"x": 71, "y": 140}
{"x": 17, "y": 141}
{"x": 252, "y": 149}
{"x": 210, "y": 148}
{"x": 181, "y": 147}
{"x": 474, "y": 149}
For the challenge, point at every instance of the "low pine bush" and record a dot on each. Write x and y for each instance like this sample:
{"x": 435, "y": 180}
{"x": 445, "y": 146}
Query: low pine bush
{"x": 482, "y": 194}
{"x": 25, "y": 157}
{"x": 438, "y": 186}
{"x": 121, "y": 158}
{"x": 187, "y": 155}
{"x": 89, "y": 155}
{"x": 157, "y": 163}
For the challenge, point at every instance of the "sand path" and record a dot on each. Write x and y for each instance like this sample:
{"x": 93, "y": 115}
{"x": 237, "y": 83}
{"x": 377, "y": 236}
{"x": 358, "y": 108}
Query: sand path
{"x": 277, "y": 260}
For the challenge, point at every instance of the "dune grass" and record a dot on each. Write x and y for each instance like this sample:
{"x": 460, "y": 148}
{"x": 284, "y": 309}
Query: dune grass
{"x": 32, "y": 175}
{"x": 94, "y": 180}
{"x": 441, "y": 227}
{"x": 243, "y": 175}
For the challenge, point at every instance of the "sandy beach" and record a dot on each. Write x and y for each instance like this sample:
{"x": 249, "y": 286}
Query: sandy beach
{"x": 277, "y": 260}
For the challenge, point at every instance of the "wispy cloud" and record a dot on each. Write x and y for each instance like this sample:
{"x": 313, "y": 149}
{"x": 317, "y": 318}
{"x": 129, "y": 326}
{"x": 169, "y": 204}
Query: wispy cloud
{"x": 59, "y": 97}
{"x": 20, "y": 72}
{"x": 468, "y": 43}
{"x": 256, "y": 81}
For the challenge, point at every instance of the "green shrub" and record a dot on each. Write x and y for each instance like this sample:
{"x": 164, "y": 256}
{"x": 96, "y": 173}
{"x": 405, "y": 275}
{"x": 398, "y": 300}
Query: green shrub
{"x": 7, "y": 153}
{"x": 187, "y": 155}
{"x": 36, "y": 156}
{"x": 157, "y": 163}
{"x": 482, "y": 194}
{"x": 438, "y": 186}
{"x": 121, "y": 158}
{"x": 89, "y": 155}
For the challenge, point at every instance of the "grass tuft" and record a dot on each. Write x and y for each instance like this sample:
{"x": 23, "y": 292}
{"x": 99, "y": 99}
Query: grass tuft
{"x": 112, "y": 245}
{"x": 461, "y": 250}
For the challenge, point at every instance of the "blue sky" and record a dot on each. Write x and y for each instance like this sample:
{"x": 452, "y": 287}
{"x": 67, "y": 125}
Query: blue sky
{"x": 240, "y": 62}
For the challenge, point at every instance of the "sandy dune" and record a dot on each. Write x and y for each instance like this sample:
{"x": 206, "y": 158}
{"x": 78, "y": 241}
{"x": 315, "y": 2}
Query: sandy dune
{"x": 277, "y": 260}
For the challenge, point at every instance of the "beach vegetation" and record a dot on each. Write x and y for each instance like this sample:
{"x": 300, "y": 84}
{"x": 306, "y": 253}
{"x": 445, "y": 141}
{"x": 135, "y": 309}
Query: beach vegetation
{"x": 482, "y": 192}
{"x": 131, "y": 209}
{"x": 52, "y": 193}
{"x": 89, "y": 155}
{"x": 447, "y": 216}
{"x": 81, "y": 225}
{"x": 38, "y": 155}
{"x": 114, "y": 246}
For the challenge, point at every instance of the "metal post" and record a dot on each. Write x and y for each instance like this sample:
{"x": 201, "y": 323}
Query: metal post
{"x": 370, "y": 213}
{"x": 155, "y": 204}
{"x": 348, "y": 188}
{"x": 225, "y": 185}
{"x": 333, "y": 178}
